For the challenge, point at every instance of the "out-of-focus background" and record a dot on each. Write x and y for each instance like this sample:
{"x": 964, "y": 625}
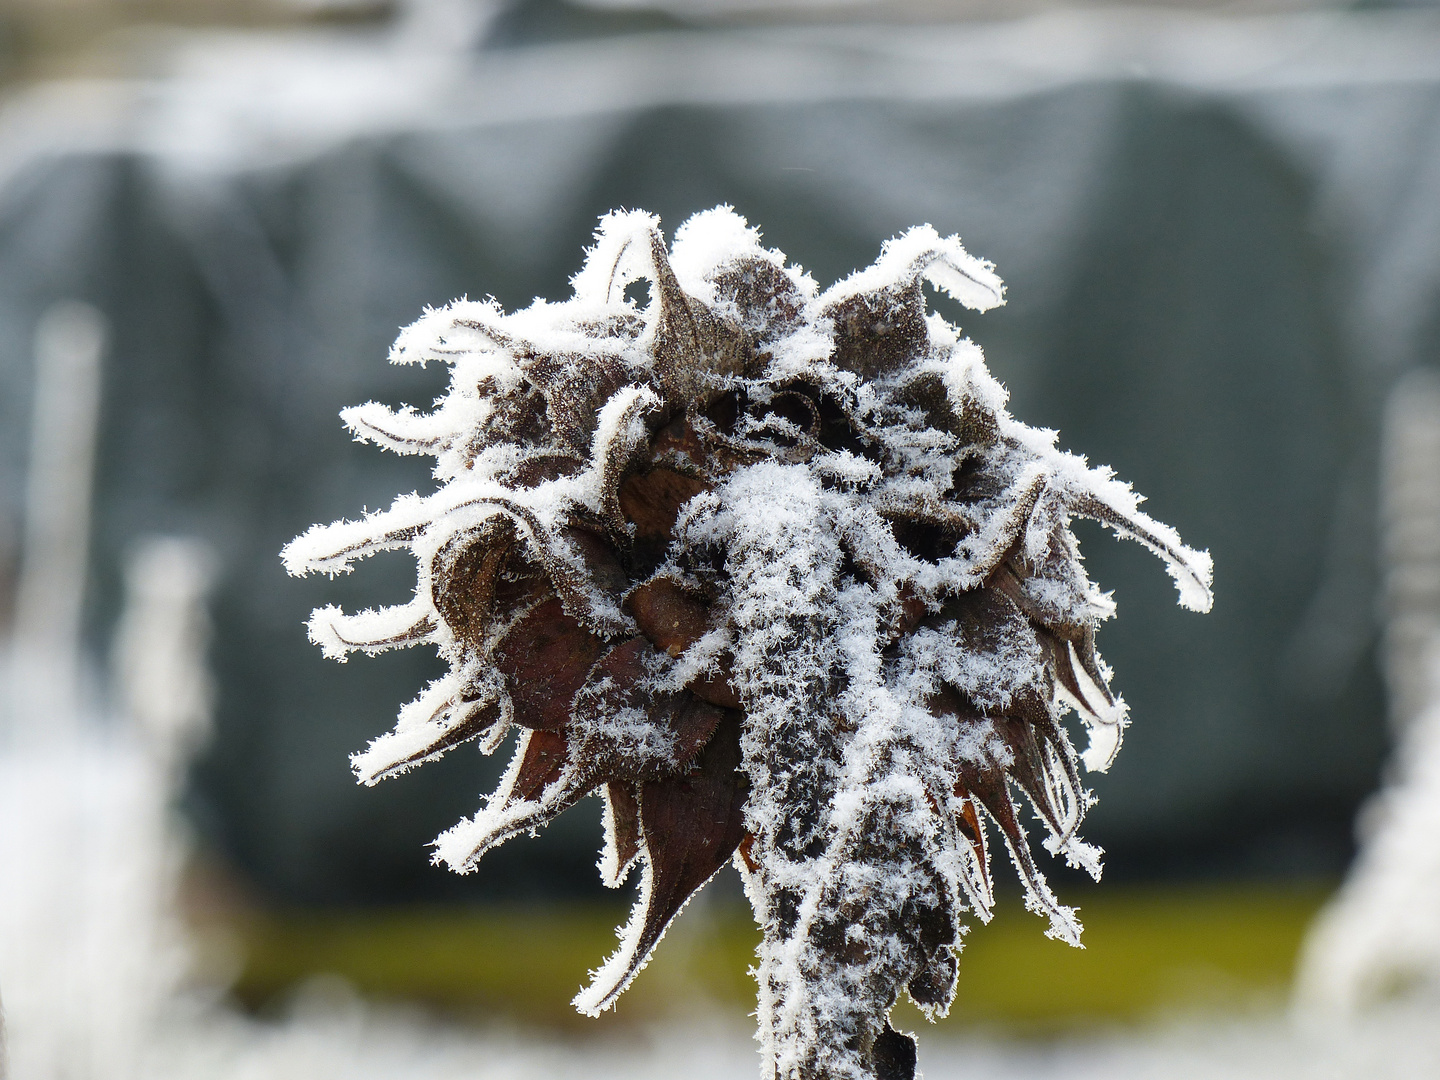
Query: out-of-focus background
{"x": 1220, "y": 229}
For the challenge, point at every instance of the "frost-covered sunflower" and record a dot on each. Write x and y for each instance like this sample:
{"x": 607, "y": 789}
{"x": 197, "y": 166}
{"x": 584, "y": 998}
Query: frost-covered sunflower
{"x": 773, "y": 571}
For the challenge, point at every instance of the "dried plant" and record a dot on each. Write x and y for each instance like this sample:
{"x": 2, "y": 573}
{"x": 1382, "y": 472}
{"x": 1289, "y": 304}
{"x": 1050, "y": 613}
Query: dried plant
{"x": 773, "y": 571}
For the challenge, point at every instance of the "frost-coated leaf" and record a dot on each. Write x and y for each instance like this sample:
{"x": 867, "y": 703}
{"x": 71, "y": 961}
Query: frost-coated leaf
{"x": 774, "y": 571}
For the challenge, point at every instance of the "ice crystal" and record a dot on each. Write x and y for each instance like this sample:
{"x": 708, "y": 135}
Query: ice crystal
{"x": 774, "y": 572}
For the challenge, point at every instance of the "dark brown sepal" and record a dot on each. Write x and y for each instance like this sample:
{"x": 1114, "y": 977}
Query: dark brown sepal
{"x": 694, "y": 722}
{"x": 880, "y": 332}
{"x": 624, "y": 834}
{"x": 464, "y": 574}
{"x": 575, "y": 387}
{"x": 694, "y": 346}
{"x": 618, "y": 682}
{"x": 718, "y": 688}
{"x": 545, "y": 756}
{"x": 894, "y": 1055}
{"x": 934, "y": 986}
{"x": 602, "y": 563}
{"x": 690, "y": 824}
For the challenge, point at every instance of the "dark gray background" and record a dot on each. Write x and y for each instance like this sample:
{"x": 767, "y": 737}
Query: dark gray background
{"x": 1181, "y": 278}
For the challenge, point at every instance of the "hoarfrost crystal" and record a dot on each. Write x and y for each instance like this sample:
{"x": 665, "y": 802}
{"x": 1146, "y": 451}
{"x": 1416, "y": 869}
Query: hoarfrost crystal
{"x": 774, "y": 572}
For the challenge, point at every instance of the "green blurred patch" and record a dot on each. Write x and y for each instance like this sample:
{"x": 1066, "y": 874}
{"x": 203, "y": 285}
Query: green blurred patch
{"x": 1149, "y": 952}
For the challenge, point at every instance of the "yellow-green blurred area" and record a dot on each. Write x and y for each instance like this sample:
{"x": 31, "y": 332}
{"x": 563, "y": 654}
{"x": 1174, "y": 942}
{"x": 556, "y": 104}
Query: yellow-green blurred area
{"x": 1151, "y": 953}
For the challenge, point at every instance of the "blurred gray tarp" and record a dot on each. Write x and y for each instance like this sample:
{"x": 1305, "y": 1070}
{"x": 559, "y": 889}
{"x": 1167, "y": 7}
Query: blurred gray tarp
{"x": 1221, "y": 241}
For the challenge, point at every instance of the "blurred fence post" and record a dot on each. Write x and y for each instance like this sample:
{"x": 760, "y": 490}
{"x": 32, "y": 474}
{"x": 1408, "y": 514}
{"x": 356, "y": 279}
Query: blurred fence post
{"x": 90, "y": 950}
{"x": 91, "y": 947}
{"x": 1380, "y": 936}
{"x": 45, "y": 668}
{"x": 1410, "y": 542}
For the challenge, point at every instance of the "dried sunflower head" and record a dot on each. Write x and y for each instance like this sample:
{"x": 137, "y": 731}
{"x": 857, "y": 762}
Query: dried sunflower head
{"x": 773, "y": 571}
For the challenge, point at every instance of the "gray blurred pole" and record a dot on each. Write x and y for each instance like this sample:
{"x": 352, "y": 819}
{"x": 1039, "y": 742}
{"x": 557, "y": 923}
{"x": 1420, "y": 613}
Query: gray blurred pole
{"x": 69, "y": 345}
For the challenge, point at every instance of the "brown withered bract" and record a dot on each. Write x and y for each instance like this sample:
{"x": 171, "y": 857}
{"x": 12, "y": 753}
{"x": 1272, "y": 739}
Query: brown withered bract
{"x": 772, "y": 571}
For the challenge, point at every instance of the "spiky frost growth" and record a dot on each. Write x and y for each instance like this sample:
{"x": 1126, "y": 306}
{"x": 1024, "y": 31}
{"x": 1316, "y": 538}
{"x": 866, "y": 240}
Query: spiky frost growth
{"x": 774, "y": 572}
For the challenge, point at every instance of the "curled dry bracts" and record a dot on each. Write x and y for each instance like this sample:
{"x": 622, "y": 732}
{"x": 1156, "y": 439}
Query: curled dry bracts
{"x": 774, "y": 573}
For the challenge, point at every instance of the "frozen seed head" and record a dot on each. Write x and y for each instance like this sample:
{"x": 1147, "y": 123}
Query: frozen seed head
{"x": 773, "y": 571}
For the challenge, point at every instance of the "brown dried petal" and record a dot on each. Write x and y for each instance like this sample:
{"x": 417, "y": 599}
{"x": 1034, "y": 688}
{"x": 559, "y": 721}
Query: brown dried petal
{"x": 972, "y": 423}
{"x": 907, "y": 612}
{"x": 1059, "y": 653}
{"x": 516, "y": 418}
{"x": 693, "y": 344}
{"x": 719, "y": 688}
{"x": 974, "y": 832}
{"x": 678, "y": 442}
{"x": 519, "y": 585}
{"x": 618, "y": 672}
{"x": 667, "y": 614}
{"x": 1090, "y": 662}
{"x": 617, "y": 682}
{"x": 575, "y": 387}
{"x": 1029, "y": 768}
{"x": 545, "y": 659}
{"x": 796, "y": 408}
{"x": 764, "y": 295}
{"x": 652, "y": 501}
{"x": 601, "y": 560}
{"x": 468, "y": 721}
{"x": 541, "y": 785}
{"x": 992, "y": 790}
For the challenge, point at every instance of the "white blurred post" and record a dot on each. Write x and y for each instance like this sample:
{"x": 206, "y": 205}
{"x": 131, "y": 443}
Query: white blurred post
{"x": 162, "y": 679}
{"x": 45, "y": 668}
{"x": 1410, "y": 543}
{"x": 1379, "y": 938}
{"x": 89, "y": 948}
